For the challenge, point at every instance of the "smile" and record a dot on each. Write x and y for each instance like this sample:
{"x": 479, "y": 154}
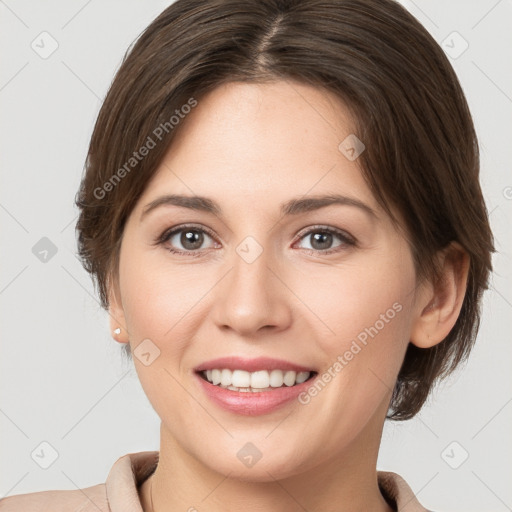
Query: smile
{"x": 254, "y": 382}
{"x": 252, "y": 387}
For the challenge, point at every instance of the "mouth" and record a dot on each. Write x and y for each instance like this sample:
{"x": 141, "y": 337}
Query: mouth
{"x": 253, "y": 387}
{"x": 254, "y": 382}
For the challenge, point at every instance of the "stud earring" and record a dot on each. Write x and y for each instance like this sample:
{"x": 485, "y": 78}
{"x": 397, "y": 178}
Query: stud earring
{"x": 117, "y": 331}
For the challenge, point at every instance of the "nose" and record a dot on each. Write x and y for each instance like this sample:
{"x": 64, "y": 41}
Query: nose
{"x": 253, "y": 297}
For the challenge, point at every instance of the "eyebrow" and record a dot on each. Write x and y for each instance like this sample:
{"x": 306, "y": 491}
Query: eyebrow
{"x": 292, "y": 207}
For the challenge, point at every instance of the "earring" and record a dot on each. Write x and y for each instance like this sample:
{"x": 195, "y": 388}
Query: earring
{"x": 117, "y": 331}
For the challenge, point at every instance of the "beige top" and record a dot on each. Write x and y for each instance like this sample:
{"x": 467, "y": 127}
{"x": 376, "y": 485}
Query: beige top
{"x": 120, "y": 494}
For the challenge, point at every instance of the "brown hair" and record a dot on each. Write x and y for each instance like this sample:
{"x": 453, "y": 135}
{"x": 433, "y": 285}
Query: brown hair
{"x": 421, "y": 148}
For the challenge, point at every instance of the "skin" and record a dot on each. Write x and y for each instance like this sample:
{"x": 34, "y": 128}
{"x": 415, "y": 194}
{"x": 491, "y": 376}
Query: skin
{"x": 251, "y": 147}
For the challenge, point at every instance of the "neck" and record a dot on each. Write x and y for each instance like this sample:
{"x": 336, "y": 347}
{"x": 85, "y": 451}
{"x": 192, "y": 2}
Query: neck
{"x": 182, "y": 482}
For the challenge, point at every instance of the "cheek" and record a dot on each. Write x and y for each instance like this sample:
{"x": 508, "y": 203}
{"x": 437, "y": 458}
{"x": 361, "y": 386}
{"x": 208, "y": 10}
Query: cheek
{"x": 342, "y": 302}
{"x": 350, "y": 300}
{"x": 155, "y": 295}
{"x": 365, "y": 313}
{"x": 158, "y": 304}
{"x": 165, "y": 303}
{"x": 366, "y": 318}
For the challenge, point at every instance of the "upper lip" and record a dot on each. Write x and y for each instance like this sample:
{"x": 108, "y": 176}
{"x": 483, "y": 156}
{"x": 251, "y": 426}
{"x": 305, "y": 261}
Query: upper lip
{"x": 250, "y": 365}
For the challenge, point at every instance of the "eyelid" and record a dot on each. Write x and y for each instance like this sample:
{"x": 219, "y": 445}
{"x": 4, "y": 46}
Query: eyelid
{"x": 329, "y": 229}
{"x": 346, "y": 237}
{"x": 176, "y": 229}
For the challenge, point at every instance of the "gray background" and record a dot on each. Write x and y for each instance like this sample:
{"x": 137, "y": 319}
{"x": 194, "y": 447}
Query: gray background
{"x": 62, "y": 378}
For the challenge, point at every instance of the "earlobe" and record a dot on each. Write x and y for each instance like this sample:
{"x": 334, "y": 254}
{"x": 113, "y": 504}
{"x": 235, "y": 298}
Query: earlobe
{"x": 440, "y": 302}
{"x": 116, "y": 313}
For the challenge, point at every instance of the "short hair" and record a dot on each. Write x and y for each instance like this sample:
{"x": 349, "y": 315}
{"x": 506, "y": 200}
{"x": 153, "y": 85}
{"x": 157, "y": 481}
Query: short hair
{"x": 421, "y": 152}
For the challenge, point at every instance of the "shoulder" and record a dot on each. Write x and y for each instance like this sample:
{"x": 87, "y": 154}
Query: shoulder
{"x": 88, "y": 499}
{"x": 397, "y": 491}
{"x": 119, "y": 493}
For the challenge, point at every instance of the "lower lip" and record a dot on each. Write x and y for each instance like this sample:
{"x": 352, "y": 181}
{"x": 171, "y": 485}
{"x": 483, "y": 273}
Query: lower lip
{"x": 250, "y": 403}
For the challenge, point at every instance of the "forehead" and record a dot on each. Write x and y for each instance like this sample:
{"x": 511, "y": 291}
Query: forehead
{"x": 258, "y": 143}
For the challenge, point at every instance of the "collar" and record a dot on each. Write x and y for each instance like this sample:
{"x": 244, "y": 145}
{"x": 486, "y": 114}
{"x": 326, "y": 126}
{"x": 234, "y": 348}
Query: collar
{"x": 130, "y": 470}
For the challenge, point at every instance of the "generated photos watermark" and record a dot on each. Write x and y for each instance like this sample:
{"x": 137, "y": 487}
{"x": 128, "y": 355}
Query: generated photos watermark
{"x": 150, "y": 143}
{"x": 343, "y": 360}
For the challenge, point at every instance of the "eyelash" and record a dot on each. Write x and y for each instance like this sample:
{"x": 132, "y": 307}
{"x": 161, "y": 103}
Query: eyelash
{"x": 346, "y": 239}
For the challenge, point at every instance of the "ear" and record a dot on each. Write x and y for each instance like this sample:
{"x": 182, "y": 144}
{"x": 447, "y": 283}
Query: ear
{"x": 118, "y": 328}
{"x": 440, "y": 301}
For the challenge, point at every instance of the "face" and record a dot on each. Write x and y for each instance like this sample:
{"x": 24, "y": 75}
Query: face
{"x": 322, "y": 288}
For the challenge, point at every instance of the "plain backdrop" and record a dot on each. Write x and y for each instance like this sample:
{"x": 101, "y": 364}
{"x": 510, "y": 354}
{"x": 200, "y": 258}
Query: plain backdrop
{"x": 62, "y": 378}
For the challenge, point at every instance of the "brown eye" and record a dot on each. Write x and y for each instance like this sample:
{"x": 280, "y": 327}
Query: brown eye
{"x": 191, "y": 239}
{"x": 188, "y": 240}
{"x": 322, "y": 238}
{"x": 321, "y": 241}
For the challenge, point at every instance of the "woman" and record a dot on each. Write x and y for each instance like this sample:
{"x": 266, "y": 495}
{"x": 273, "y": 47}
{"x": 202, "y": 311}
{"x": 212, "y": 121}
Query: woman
{"x": 282, "y": 212}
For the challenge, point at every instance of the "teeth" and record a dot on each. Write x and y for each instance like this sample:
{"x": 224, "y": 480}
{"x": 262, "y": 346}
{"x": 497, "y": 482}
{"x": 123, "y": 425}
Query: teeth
{"x": 216, "y": 374}
{"x": 259, "y": 380}
{"x": 289, "y": 378}
{"x": 225, "y": 377}
{"x": 240, "y": 380}
{"x": 276, "y": 378}
{"x": 302, "y": 377}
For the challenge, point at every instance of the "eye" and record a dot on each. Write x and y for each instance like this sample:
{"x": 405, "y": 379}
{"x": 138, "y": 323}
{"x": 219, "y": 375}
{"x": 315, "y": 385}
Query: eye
{"x": 191, "y": 238}
{"x": 321, "y": 240}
